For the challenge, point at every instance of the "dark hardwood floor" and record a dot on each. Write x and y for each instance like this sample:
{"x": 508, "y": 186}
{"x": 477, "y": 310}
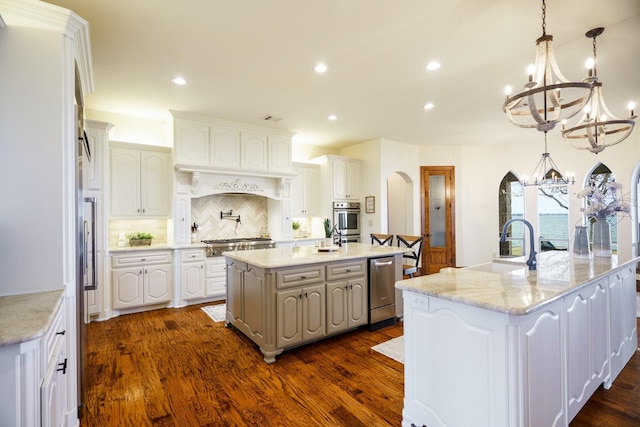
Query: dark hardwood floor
{"x": 176, "y": 367}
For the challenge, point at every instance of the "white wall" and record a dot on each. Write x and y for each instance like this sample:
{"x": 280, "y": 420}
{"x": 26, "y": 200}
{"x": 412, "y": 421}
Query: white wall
{"x": 481, "y": 167}
{"x": 32, "y": 223}
{"x": 138, "y": 130}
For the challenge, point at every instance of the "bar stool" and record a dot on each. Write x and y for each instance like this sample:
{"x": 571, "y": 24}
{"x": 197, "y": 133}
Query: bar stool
{"x": 415, "y": 244}
{"x": 382, "y": 239}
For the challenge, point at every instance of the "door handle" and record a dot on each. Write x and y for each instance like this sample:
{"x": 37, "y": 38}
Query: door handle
{"x": 94, "y": 259}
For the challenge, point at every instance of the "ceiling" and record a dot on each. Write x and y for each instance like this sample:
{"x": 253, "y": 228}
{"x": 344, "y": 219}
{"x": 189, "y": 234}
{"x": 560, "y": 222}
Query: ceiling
{"x": 246, "y": 59}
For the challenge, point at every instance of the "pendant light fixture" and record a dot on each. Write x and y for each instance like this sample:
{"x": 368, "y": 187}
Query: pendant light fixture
{"x": 546, "y": 173}
{"x": 548, "y": 97}
{"x": 598, "y": 128}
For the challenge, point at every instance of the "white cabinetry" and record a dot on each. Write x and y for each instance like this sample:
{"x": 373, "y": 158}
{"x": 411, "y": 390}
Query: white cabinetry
{"x": 304, "y": 189}
{"x": 192, "y": 275}
{"x": 206, "y": 143}
{"x": 139, "y": 180}
{"x": 35, "y": 373}
{"x": 142, "y": 278}
{"x": 216, "y": 276}
{"x": 53, "y": 391}
{"x": 535, "y": 369}
{"x": 346, "y": 179}
{"x": 587, "y": 358}
{"x": 623, "y": 329}
{"x": 93, "y": 171}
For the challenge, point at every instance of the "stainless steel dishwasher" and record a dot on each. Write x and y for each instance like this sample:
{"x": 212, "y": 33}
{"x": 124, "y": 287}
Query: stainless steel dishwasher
{"x": 382, "y": 293}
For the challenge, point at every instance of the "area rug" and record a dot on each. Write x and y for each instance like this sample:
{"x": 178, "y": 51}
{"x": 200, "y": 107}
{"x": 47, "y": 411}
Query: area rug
{"x": 216, "y": 312}
{"x": 394, "y": 348}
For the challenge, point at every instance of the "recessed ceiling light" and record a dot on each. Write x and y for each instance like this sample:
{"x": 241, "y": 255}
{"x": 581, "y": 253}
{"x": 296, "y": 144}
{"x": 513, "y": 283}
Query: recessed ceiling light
{"x": 428, "y": 106}
{"x": 320, "y": 68}
{"x": 179, "y": 81}
{"x": 333, "y": 117}
{"x": 433, "y": 65}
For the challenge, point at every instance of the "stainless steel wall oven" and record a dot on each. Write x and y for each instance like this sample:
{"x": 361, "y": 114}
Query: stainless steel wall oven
{"x": 346, "y": 218}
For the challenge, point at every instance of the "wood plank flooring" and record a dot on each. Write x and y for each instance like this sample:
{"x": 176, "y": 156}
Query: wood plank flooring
{"x": 176, "y": 367}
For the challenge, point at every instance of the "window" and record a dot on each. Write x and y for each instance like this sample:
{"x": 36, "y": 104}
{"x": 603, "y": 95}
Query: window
{"x": 511, "y": 205}
{"x": 601, "y": 175}
{"x": 553, "y": 216}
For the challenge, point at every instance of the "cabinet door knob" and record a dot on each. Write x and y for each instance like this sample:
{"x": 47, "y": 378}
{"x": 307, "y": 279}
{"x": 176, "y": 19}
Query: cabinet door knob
{"x": 61, "y": 333}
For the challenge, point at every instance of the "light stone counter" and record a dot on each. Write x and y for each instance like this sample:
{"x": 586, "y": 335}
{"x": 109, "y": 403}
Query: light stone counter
{"x": 303, "y": 255}
{"x": 520, "y": 348}
{"x": 25, "y": 317}
{"x": 516, "y": 292}
{"x": 157, "y": 247}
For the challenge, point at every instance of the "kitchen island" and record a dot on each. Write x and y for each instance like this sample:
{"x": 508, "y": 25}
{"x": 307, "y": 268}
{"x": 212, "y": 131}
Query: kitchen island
{"x": 285, "y": 297}
{"x": 515, "y": 347}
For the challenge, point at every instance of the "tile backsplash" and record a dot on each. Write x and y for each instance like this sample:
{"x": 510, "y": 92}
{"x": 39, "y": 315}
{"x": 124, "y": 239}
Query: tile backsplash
{"x": 156, "y": 227}
{"x": 253, "y": 211}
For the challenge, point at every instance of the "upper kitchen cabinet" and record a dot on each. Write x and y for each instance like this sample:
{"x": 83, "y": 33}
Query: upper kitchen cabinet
{"x": 97, "y": 135}
{"x": 342, "y": 175}
{"x": 304, "y": 189}
{"x": 139, "y": 180}
{"x": 206, "y": 144}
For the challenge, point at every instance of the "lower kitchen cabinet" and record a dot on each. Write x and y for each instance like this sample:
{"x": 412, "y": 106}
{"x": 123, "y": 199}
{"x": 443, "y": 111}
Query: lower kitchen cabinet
{"x": 346, "y": 305}
{"x": 284, "y": 307}
{"x": 192, "y": 274}
{"x": 34, "y": 373}
{"x": 301, "y": 315}
{"x": 140, "y": 279}
{"x": 216, "y": 277}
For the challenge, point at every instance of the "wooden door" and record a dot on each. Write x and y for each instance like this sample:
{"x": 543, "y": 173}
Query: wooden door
{"x": 438, "y": 218}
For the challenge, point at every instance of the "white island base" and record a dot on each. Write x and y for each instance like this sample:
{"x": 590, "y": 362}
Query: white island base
{"x": 535, "y": 363}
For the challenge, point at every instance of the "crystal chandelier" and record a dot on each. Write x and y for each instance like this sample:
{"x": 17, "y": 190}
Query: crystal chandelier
{"x": 598, "y": 128}
{"x": 548, "y": 97}
{"x": 546, "y": 173}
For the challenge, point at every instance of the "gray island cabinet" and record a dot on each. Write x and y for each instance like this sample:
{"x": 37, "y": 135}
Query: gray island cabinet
{"x": 515, "y": 347}
{"x": 285, "y": 297}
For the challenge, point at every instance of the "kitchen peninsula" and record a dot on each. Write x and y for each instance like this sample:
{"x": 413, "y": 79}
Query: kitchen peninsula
{"x": 288, "y": 296}
{"x": 516, "y": 347}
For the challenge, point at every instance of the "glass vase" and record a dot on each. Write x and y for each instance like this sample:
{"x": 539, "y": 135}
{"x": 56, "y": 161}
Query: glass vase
{"x": 601, "y": 233}
{"x": 581, "y": 242}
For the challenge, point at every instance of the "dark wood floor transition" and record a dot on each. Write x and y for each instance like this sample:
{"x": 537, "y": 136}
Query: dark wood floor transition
{"x": 176, "y": 367}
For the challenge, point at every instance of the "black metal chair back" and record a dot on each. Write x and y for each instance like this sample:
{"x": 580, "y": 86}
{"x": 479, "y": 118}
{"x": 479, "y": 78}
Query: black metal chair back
{"x": 415, "y": 244}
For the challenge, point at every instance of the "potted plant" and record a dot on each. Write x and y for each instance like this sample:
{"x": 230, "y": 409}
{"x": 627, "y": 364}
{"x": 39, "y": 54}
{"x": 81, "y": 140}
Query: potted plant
{"x": 328, "y": 231}
{"x": 139, "y": 239}
{"x": 296, "y": 226}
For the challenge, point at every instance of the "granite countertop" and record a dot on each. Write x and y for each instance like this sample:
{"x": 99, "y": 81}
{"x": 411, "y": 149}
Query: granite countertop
{"x": 303, "y": 255}
{"x": 25, "y": 317}
{"x": 519, "y": 291}
{"x": 157, "y": 247}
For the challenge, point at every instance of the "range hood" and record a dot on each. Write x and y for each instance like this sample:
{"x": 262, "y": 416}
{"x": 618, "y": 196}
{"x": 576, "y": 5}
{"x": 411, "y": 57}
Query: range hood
{"x": 204, "y": 183}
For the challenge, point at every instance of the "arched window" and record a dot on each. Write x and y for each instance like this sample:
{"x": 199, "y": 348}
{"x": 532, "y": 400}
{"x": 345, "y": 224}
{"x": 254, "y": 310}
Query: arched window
{"x": 599, "y": 178}
{"x": 553, "y": 215}
{"x": 511, "y": 205}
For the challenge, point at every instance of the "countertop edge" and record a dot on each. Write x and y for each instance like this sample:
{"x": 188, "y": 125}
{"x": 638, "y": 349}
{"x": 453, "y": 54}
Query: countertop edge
{"x": 26, "y": 317}
{"x": 402, "y": 285}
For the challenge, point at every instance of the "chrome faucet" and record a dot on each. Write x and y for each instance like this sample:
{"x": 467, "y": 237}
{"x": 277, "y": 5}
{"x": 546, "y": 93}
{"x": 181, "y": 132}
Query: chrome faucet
{"x": 531, "y": 262}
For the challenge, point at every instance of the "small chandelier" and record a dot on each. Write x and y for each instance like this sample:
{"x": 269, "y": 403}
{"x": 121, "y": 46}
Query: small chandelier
{"x": 541, "y": 105}
{"x": 546, "y": 173}
{"x": 598, "y": 128}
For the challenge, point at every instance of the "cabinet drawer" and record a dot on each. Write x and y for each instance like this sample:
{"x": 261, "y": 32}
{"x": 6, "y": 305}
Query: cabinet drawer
{"x": 345, "y": 270}
{"x": 56, "y": 329}
{"x": 299, "y": 277}
{"x": 128, "y": 260}
{"x": 216, "y": 267}
{"x": 192, "y": 255}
